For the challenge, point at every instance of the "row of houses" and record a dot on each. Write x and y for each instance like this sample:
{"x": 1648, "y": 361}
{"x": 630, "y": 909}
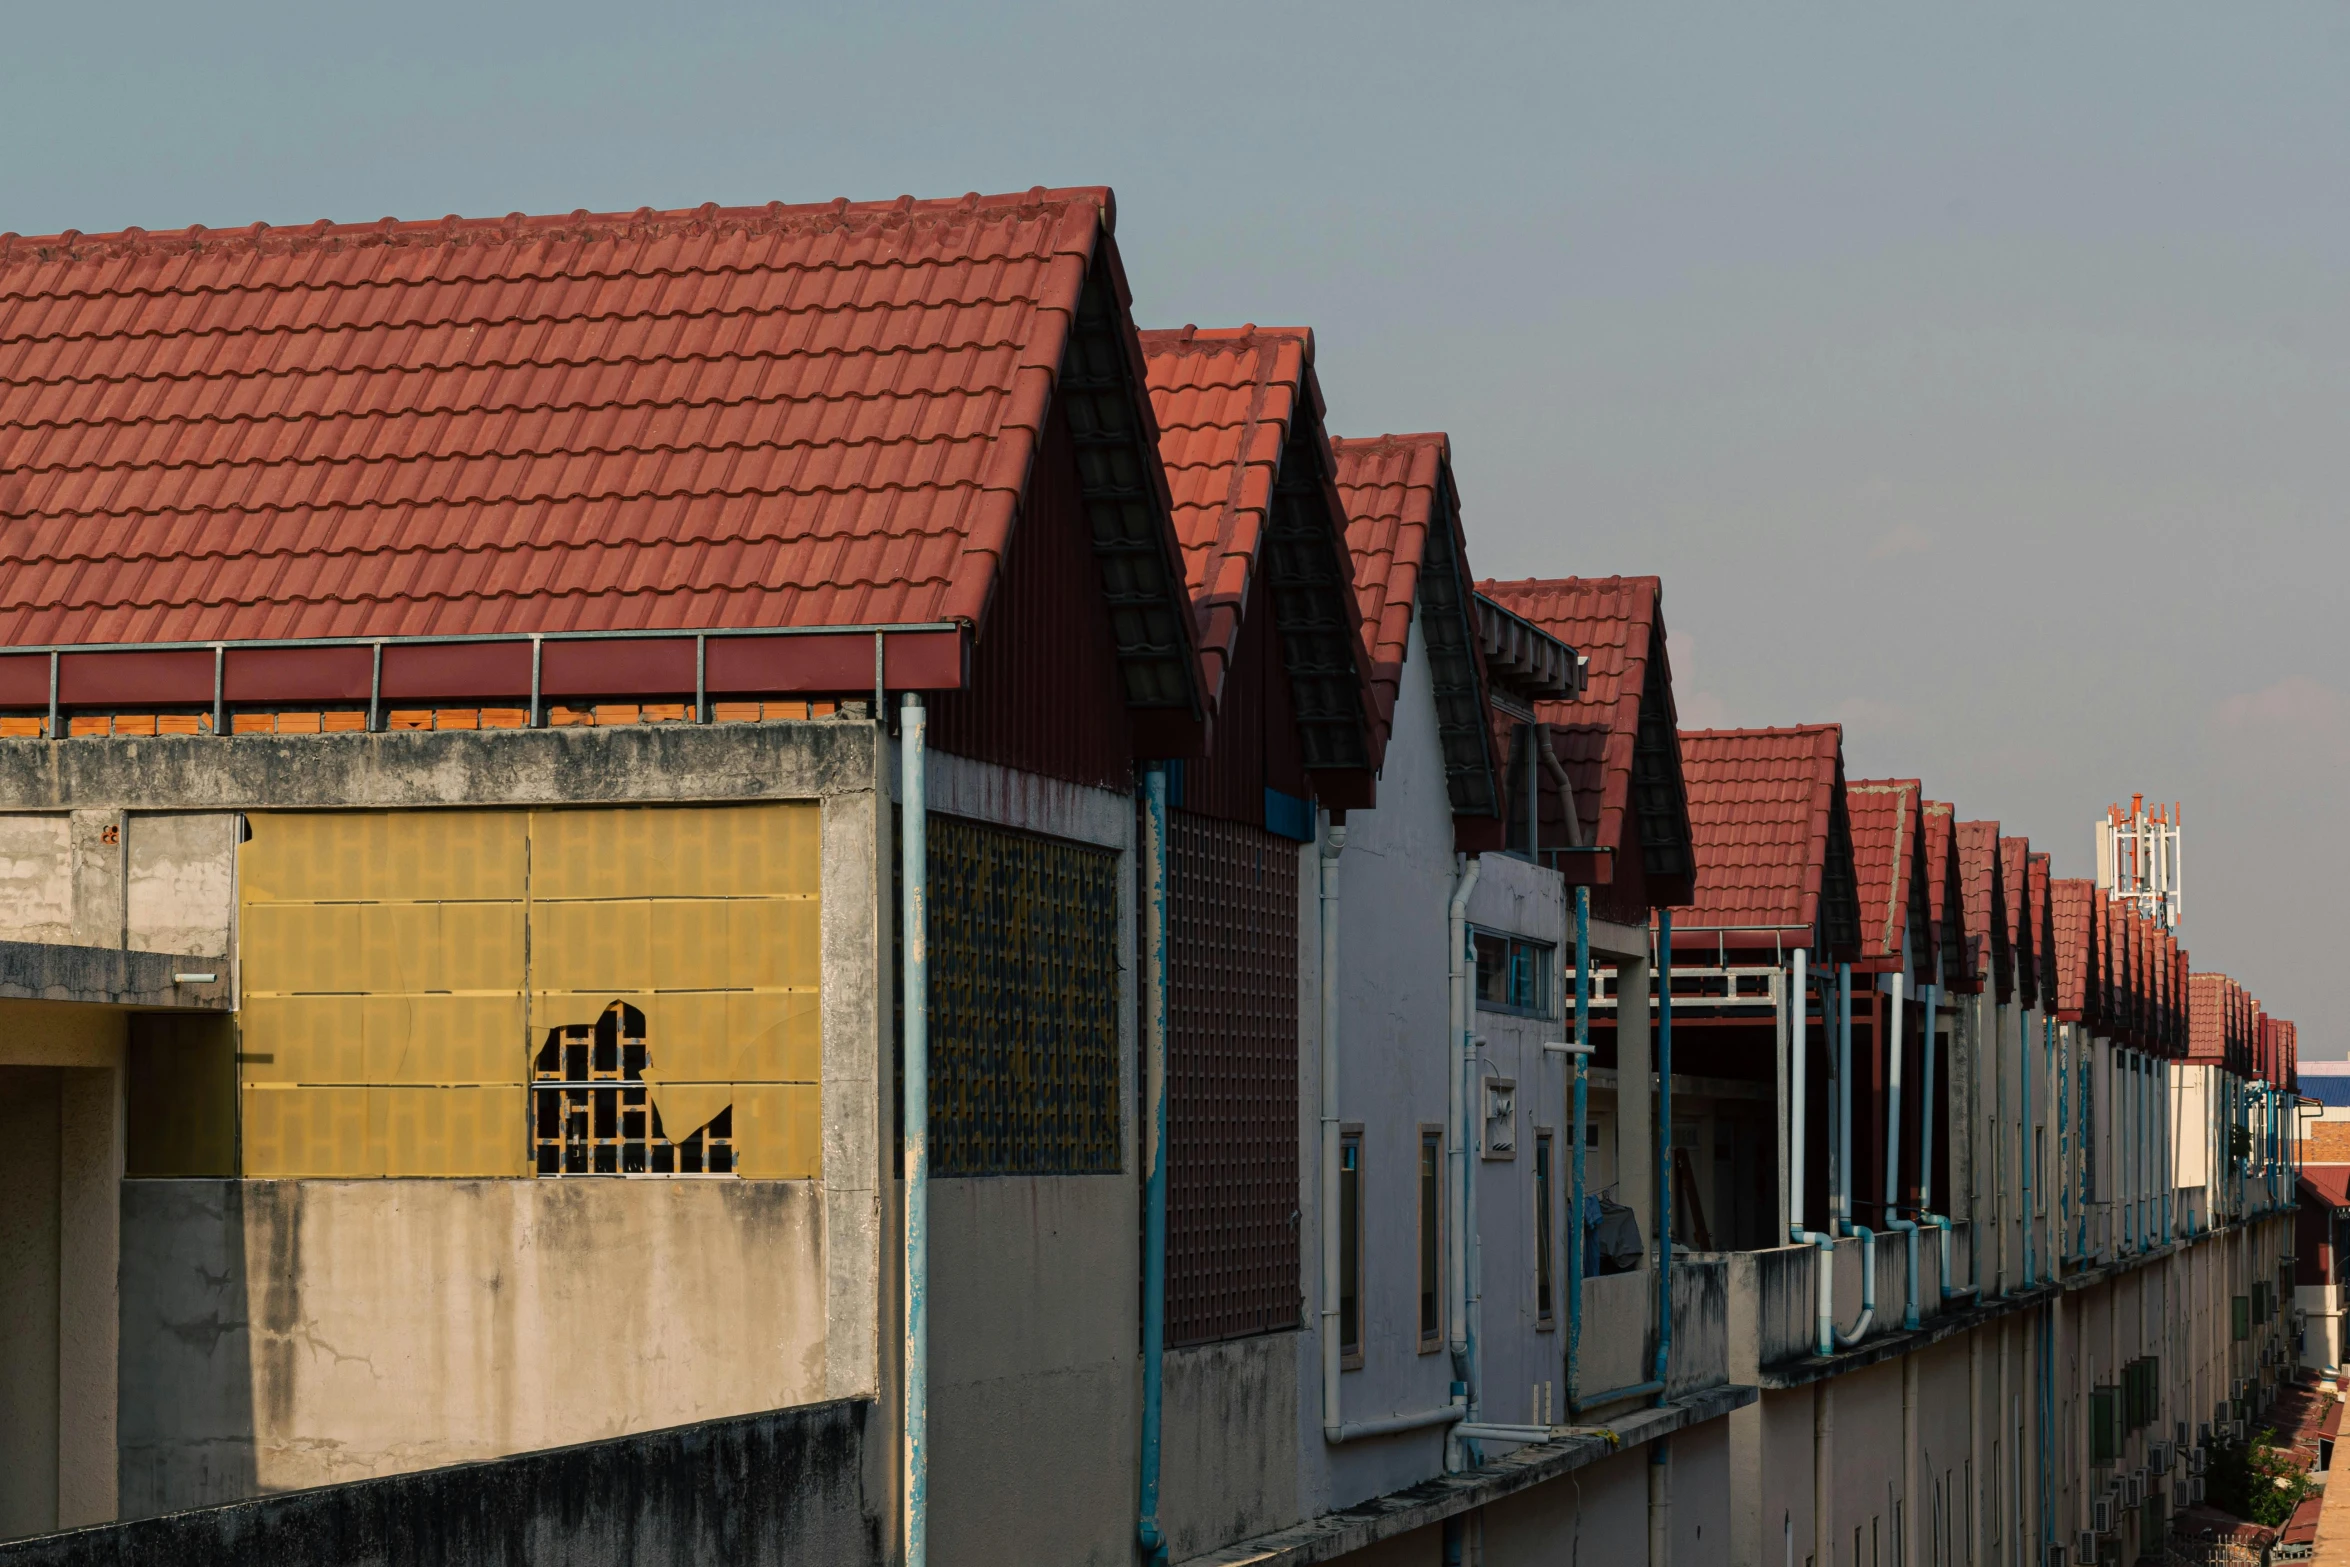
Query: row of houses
{"x": 774, "y": 826}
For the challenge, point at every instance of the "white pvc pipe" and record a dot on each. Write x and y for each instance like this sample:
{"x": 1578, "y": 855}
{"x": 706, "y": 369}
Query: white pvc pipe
{"x": 1333, "y": 1285}
{"x": 1893, "y": 1218}
{"x": 1798, "y": 1010}
{"x": 914, "y": 1434}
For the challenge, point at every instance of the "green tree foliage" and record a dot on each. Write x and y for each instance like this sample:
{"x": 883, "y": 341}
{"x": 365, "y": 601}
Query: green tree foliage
{"x": 2256, "y": 1480}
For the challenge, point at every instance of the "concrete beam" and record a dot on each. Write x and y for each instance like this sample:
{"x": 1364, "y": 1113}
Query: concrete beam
{"x": 468, "y": 767}
{"x": 109, "y": 976}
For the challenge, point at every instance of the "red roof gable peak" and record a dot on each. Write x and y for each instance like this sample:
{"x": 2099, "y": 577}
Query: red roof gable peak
{"x": 1410, "y": 559}
{"x": 755, "y": 418}
{"x": 1248, "y": 463}
{"x": 1763, "y": 807}
{"x": 1885, "y": 850}
{"x": 1623, "y": 720}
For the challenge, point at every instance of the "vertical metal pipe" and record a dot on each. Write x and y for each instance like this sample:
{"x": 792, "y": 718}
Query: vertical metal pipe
{"x": 538, "y": 660}
{"x": 1458, "y": 1012}
{"x": 1842, "y": 1223}
{"x": 219, "y": 689}
{"x": 1664, "y": 1152}
{"x": 1797, "y": 1029}
{"x": 1154, "y": 1153}
{"x": 2024, "y": 1060}
{"x": 702, "y": 681}
{"x": 1582, "y": 1111}
{"x": 375, "y": 690}
{"x": 55, "y": 731}
{"x": 914, "y": 835}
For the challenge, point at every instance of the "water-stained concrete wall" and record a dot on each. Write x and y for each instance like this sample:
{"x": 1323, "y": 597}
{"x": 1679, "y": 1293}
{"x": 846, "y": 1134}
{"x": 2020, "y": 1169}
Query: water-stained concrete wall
{"x": 279, "y": 1334}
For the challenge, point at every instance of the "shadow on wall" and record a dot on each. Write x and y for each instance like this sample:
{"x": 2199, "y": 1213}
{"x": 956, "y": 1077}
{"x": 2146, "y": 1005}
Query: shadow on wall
{"x": 780, "y": 1489}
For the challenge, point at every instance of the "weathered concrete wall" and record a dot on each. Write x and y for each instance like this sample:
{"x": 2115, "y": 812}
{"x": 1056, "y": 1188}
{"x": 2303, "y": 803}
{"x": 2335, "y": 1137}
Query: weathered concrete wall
{"x": 1035, "y": 1289}
{"x": 438, "y": 767}
{"x": 783, "y": 1489}
{"x": 1229, "y": 1442}
{"x": 181, "y": 882}
{"x": 1034, "y": 1357}
{"x": 279, "y": 1334}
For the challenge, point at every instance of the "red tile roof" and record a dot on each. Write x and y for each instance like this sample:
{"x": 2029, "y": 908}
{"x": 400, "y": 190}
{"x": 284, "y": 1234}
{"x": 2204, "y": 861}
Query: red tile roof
{"x": 1389, "y": 485}
{"x": 1761, "y": 803}
{"x": 1411, "y": 560}
{"x": 1978, "y": 865}
{"x": 1231, "y": 405}
{"x": 2015, "y": 875}
{"x": 1884, "y": 850}
{"x": 2077, "y": 944}
{"x": 1943, "y": 880}
{"x": 2040, "y": 910}
{"x": 1618, "y": 624}
{"x": 718, "y": 417}
{"x": 2207, "y": 1016}
{"x": 1226, "y": 401}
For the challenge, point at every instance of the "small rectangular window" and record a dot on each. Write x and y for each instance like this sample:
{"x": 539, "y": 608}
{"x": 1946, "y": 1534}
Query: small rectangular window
{"x": 1513, "y": 974}
{"x": 1350, "y": 1246}
{"x": 1542, "y": 1224}
{"x": 1431, "y": 1238}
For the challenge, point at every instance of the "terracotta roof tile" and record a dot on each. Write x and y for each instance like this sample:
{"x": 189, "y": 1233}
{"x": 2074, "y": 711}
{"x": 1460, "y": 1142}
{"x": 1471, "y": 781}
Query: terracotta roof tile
{"x": 1224, "y": 400}
{"x": 1617, "y": 623}
{"x": 2077, "y": 943}
{"x": 1411, "y": 560}
{"x": 1250, "y": 472}
{"x": 750, "y": 416}
{"x": 1761, "y": 802}
{"x": 1945, "y": 891}
{"x": 2016, "y": 880}
{"x": 1978, "y": 869}
{"x": 2040, "y": 912}
{"x": 1389, "y": 485}
{"x": 1884, "y": 848}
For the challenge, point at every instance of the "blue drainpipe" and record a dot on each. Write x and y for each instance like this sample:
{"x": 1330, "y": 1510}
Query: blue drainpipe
{"x": 914, "y": 810}
{"x": 1664, "y": 1152}
{"x": 1575, "y": 1228}
{"x": 1154, "y": 1188}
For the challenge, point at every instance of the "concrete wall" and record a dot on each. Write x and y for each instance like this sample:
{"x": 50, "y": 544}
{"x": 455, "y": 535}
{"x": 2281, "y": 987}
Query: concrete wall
{"x": 105, "y": 877}
{"x": 1230, "y": 1442}
{"x": 281, "y": 1334}
{"x": 1035, "y": 1290}
{"x": 791, "y": 1488}
{"x": 1395, "y": 881}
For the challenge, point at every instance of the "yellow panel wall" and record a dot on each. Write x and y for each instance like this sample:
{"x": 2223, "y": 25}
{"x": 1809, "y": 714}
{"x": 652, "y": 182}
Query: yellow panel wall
{"x": 401, "y": 968}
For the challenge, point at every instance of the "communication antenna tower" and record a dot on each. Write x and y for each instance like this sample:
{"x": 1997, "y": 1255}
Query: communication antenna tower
{"x": 2138, "y": 859}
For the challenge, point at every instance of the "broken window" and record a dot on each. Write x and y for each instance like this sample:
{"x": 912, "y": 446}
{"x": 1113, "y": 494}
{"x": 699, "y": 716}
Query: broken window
{"x": 593, "y": 1112}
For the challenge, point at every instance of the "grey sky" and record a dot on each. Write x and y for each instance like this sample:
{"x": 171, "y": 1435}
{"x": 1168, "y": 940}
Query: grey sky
{"x": 1976, "y": 378}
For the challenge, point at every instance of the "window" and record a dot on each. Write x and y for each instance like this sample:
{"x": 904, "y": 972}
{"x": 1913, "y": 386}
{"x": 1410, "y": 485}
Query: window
{"x": 1543, "y": 1307}
{"x": 1513, "y": 975}
{"x": 592, "y": 1115}
{"x": 1350, "y": 1246}
{"x": 1431, "y": 1238}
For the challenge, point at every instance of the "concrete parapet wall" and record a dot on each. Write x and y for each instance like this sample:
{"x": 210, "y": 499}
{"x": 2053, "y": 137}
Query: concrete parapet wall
{"x": 788, "y": 1488}
{"x": 282, "y": 1334}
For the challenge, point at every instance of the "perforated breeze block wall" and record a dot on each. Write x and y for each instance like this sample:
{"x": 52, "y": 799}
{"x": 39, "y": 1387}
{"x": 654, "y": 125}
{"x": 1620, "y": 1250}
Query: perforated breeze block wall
{"x": 400, "y": 969}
